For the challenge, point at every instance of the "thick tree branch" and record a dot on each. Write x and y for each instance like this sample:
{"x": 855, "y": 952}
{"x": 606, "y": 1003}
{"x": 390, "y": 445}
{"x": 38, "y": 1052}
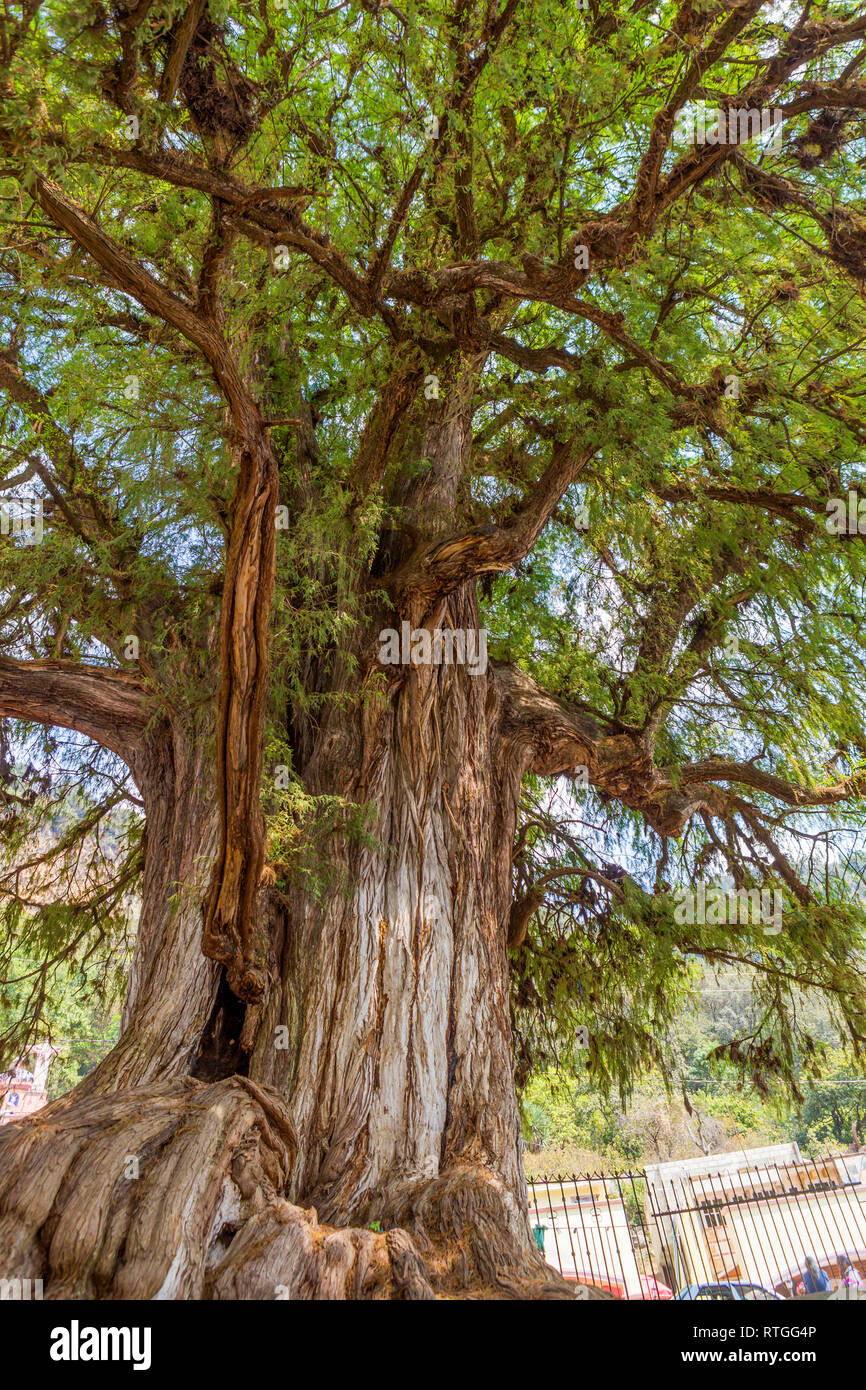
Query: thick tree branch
{"x": 438, "y": 567}
{"x": 133, "y": 279}
{"x": 230, "y": 910}
{"x": 107, "y": 706}
{"x": 180, "y": 44}
{"x": 551, "y": 737}
{"x": 792, "y": 794}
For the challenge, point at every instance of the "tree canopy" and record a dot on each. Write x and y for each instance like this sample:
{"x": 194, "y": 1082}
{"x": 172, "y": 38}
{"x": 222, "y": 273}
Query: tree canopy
{"x": 313, "y": 224}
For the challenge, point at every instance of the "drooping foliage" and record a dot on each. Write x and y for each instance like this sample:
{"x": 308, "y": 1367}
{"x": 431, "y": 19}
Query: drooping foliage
{"x": 374, "y": 201}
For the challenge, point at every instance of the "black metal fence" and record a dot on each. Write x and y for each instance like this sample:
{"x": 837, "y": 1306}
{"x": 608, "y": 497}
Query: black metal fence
{"x": 703, "y": 1225}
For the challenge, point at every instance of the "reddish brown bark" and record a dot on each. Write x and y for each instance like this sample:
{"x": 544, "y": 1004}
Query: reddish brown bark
{"x": 230, "y": 934}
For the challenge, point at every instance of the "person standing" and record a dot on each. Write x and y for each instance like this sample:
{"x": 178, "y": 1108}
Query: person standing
{"x": 849, "y": 1277}
{"x": 814, "y": 1278}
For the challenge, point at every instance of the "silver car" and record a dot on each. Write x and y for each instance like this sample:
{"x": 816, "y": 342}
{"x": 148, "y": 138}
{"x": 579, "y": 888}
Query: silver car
{"x": 729, "y": 1293}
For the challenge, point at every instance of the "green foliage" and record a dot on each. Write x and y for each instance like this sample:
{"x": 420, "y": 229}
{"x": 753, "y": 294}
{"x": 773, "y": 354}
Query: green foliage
{"x": 568, "y": 1122}
{"x": 82, "y": 1022}
{"x": 605, "y": 954}
{"x": 701, "y": 605}
{"x": 833, "y": 1107}
{"x": 69, "y": 872}
{"x": 561, "y": 1112}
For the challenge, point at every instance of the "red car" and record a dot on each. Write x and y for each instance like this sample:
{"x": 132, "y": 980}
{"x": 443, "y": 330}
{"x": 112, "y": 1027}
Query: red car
{"x": 650, "y": 1286}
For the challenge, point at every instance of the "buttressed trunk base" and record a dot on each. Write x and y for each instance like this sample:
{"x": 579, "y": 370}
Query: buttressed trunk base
{"x": 372, "y": 1148}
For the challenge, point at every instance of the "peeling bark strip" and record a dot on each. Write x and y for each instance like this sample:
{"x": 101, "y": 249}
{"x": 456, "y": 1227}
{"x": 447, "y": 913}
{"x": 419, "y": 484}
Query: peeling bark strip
{"x": 248, "y": 592}
{"x": 229, "y": 934}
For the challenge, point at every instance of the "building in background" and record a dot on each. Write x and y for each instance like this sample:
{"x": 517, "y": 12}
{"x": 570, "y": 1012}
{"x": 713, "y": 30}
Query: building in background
{"x": 754, "y": 1216}
{"x": 583, "y": 1229}
{"x": 21, "y": 1090}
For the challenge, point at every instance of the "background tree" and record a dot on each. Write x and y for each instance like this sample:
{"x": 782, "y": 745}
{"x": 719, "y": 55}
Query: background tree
{"x": 442, "y": 288}
{"x": 834, "y": 1115}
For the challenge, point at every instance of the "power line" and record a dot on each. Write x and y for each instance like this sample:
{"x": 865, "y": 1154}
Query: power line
{"x": 722, "y": 1081}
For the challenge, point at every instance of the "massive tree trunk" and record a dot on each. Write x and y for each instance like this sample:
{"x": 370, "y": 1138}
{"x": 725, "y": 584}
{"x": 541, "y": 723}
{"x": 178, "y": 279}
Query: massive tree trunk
{"x": 379, "y": 1087}
{"x": 374, "y": 1088}
{"x": 392, "y": 995}
{"x": 366, "y": 1081}
{"x": 173, "y": 987}
{"x": 353, "y": 1133}
{"x": 342, "y": 1057}
{"x": 395, "y": 992}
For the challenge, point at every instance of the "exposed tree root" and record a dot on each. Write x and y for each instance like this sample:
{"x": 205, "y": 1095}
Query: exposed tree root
{"x": 474, "y": 1238}
{"x": 74, "y": 1213}
{"x": 465, "y": 1236}
{"x": 284, "y": 1253}
{"x": 176, "y": 1191}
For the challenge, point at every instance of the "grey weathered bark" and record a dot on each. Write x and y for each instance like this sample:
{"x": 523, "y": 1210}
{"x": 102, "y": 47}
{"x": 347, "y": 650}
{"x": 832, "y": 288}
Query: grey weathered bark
{"x": 395, "y": 995}
{"x": 172, "y": 986}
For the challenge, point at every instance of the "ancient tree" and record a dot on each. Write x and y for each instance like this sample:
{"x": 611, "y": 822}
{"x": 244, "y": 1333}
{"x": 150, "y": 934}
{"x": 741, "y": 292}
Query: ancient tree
{"x": 342, "y": 344}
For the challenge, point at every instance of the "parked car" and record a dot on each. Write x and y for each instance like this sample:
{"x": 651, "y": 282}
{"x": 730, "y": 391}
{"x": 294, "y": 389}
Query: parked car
{"x": 731, "y": 1293}
{"x": 650, "y": 1286}
{"x": 597, "y": 1282}
{"x": 654, "y": 1288}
